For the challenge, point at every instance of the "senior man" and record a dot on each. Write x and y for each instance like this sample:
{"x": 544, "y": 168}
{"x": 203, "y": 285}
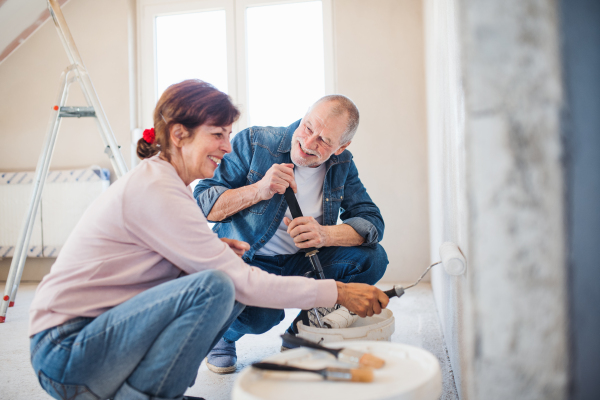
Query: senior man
{"x": 245, "y": 198}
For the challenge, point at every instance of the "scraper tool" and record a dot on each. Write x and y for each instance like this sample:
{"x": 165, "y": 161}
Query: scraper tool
{"x": 349, "y": 356}
{"x": 311, "y": 253}
{"x": 330, "y": 374}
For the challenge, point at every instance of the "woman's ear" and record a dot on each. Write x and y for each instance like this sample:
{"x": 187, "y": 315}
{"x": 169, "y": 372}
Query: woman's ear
{"x": 177, "y": 133}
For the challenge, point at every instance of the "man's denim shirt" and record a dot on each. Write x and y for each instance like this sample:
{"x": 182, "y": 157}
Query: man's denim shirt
{"x": 255, "y": 150}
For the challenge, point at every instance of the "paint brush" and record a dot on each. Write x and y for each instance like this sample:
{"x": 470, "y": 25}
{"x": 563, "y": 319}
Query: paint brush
{"x": 344, "y": 355}
{"x": 330, "y": 373}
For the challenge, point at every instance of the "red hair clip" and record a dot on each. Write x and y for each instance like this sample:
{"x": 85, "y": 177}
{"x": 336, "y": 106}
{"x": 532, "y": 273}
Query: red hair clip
{"x": 148, "y": 135}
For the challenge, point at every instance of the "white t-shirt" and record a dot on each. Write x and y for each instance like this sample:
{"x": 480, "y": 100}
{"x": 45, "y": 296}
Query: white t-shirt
{"x": 310, "y": 199}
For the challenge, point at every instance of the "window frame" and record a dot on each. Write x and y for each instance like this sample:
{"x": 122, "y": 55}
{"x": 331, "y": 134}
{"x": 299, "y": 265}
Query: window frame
{"x": 148, "y": 10}
{"x": 237, "y": 66}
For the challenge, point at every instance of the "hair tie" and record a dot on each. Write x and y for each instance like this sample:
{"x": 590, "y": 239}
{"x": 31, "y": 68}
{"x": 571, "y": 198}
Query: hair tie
{"x": 148, "y": 135}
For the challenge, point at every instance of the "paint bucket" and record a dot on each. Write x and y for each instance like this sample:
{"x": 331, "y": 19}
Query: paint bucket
{"x": 409, "y": 373}
{"x": 379, "y": 327}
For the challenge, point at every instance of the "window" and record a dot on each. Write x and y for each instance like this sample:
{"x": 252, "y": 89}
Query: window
{"x": 273, "y": 57}
{"x": 191, "y": 45}
{"x": 286, "y": 66}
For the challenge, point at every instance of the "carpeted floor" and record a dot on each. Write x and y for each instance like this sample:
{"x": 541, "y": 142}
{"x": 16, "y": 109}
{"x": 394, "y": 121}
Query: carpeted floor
{"x": 417, "y": 324}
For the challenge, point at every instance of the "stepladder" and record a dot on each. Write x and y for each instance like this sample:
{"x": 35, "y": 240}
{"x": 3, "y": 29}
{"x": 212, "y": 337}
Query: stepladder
{"x": 75, "y": 72}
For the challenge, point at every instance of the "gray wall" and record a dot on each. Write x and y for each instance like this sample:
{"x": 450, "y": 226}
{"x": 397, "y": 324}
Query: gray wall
{"x": 581, "y": 60}
{"x": 497, "y": 190}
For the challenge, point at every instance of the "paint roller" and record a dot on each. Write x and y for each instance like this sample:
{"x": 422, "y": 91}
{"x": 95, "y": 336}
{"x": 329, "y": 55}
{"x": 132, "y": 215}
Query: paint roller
{"x": 452, "y": 259}
{"x": 454, "y": 264}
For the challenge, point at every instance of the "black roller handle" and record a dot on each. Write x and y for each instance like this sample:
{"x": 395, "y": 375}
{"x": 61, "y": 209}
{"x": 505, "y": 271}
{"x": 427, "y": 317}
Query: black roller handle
{"x": 395, "y": 291}
{"x": 292, "y": 202}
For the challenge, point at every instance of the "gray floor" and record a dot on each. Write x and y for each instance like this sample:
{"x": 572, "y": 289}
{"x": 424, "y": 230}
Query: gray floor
{"x": 416, "y": 324}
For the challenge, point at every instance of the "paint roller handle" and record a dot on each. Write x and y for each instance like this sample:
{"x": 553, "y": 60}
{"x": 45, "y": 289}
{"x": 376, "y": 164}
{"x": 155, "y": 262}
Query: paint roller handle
{"x": 396, "y": 291}
{"x": 292, "y": 202}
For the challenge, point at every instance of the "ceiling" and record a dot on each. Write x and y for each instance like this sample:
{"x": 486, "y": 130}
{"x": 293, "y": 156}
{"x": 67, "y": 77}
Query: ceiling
{"x": 19, "y": 19}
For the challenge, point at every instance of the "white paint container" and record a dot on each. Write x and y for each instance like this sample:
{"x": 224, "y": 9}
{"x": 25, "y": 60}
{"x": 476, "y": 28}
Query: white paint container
{"x": 409, "y": 373}
{"x": 378, "y": 328}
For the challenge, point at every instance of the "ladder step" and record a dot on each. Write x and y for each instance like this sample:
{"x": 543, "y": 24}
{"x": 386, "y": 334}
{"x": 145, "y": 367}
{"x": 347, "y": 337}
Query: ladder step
{"x": 77, "y": 112}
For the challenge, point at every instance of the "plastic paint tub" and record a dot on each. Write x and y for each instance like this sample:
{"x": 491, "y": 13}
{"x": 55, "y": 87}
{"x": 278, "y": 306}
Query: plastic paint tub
{"x": 409, "y": 373}
{"x": 378, "y": 327}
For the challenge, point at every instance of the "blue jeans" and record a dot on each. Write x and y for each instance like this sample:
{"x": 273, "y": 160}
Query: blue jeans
{"x": 344, "y": 264}
{"x": 149, "y": 347}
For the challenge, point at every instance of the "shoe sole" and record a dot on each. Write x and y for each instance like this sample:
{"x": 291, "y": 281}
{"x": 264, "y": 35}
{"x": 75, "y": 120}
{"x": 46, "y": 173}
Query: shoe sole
{"x": 220, "y": 370}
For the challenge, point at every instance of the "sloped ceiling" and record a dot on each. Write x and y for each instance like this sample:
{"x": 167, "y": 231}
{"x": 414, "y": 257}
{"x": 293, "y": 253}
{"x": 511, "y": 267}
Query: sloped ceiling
{"x": 19, "y": 19}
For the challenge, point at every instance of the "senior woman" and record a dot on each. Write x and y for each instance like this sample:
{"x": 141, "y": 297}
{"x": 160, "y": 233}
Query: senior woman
{"x": 143, "y": 289}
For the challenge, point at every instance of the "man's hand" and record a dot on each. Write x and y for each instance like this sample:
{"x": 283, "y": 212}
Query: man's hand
{"x": 362, "y": 299}
{"x": 237, "y": 246}
{"x": 278, "y": 178}
{"x": 307, "y": 232}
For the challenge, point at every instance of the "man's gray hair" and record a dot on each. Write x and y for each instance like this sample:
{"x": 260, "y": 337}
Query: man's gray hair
{"x": 343, "y": 105}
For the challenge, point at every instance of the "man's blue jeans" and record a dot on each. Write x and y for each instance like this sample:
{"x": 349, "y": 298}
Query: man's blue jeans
{"x": 360, "y": 264}
{"x": 149, "y": 347}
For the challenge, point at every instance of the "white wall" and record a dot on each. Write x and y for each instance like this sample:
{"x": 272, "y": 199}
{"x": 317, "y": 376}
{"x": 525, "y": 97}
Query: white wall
{"x": 29, "y": 80}
{"x": 447, "y": 190}
{"x": 379, "y": 64}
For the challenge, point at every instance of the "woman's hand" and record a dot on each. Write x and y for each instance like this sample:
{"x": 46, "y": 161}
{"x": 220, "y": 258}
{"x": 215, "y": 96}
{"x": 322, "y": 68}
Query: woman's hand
{"x": 362, "y": 299}
{"x": 237, "y": 246}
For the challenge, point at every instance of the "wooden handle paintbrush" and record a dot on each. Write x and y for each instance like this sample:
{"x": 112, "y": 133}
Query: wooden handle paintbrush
{"x": 330, "y": 374}
{"x": 344, "y": 355}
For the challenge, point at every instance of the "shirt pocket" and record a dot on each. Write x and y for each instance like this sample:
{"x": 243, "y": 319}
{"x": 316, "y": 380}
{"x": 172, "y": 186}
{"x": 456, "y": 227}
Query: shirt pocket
{"x": 334, "y": 201}
{"x": 337, "y": 195}
{"x": 260, "y": 207}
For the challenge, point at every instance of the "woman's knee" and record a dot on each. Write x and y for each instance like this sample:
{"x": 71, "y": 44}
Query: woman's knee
{"x": 220, "y": 285}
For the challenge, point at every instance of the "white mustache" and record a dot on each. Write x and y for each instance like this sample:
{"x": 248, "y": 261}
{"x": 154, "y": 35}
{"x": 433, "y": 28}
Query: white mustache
{"x": 307, "y": 151}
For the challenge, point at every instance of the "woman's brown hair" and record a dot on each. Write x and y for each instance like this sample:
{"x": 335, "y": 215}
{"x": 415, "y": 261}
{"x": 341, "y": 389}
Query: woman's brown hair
{"x": 190, "y": 103}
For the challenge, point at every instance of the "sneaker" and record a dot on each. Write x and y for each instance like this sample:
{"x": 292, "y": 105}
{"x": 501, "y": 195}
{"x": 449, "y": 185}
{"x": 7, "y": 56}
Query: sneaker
{"x": 285, "y": 345}
{"x": 222, "y": 358}
{"x": 293, "y": 330}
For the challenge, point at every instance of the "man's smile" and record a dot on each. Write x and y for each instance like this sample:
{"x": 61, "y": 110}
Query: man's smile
{"x": 305, "y": 153}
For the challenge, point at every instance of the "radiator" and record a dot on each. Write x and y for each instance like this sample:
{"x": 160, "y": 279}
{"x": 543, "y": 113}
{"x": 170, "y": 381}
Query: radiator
{"x": 67, "y": 194}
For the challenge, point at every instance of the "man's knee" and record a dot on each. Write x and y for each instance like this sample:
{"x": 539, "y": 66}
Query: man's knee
{"x": 380, "y": 256}
{"x": 373, "y": 263}
{"x": 265, "y": 319}
{"x": 377, "y": 262}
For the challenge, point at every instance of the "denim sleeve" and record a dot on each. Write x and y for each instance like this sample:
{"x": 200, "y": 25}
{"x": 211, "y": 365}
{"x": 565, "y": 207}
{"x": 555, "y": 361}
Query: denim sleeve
{"x": 359, "y": 211}
{"x": 230, "y": 174}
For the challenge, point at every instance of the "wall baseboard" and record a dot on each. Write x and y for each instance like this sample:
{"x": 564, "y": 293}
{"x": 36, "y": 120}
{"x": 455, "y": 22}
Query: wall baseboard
{"x": 35, "y": 268}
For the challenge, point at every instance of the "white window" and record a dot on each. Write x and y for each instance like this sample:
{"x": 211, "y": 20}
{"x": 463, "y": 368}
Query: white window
{"x": 273, "y": 57}
{"x": 285, "y": 61}
{"x": 192, "y": 45}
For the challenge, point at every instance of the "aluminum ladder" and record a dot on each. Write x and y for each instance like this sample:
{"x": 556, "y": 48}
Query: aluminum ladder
{"x": 74, "y": 72}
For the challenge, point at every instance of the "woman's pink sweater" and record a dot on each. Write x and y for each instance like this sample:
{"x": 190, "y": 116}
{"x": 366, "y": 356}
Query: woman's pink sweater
{"x": 146, "y": 229}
